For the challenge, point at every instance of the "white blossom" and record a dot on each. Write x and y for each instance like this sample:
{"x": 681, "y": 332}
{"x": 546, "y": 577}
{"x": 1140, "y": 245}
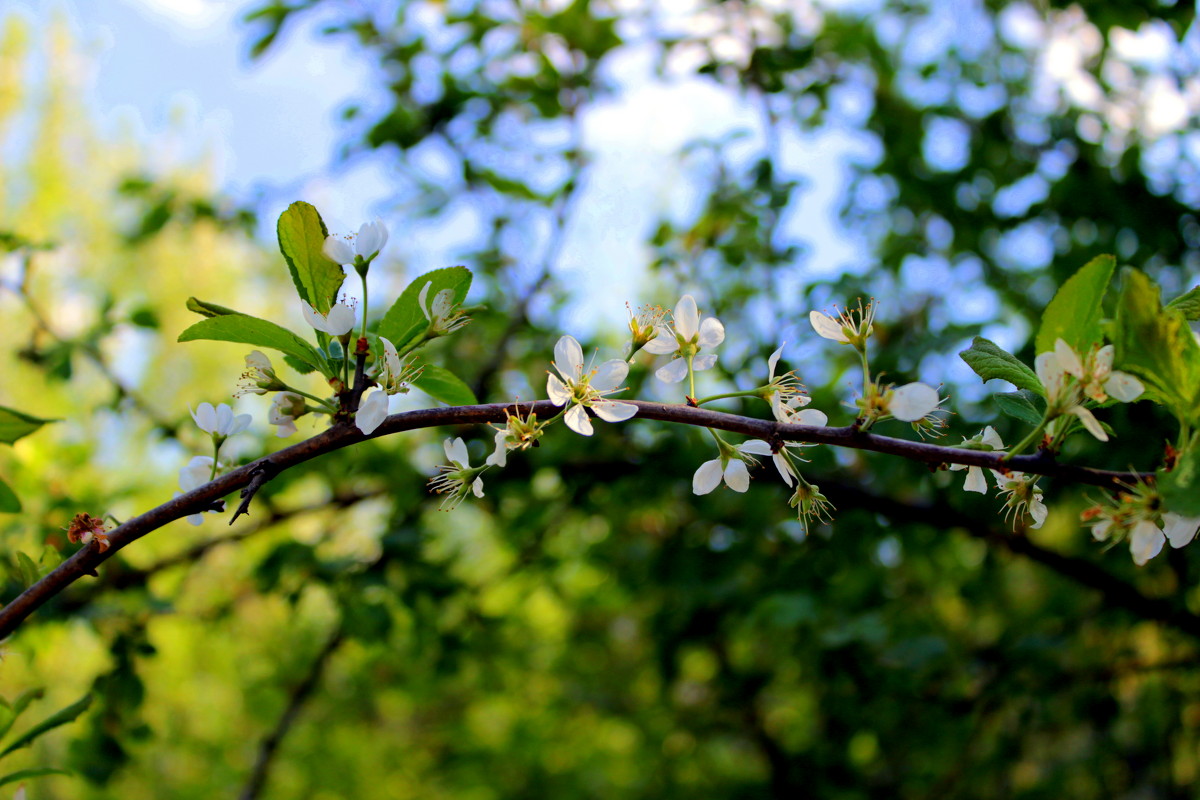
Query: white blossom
{"x": 220, "y": 422}
{"x": 372, "y": 412}
{"x": 338, "y": 321}
{"x": 913, "y": 401}
{"x": 458, "y": 478}
{"x": 976, "y": 482}
{"x": 443, "y": 315}
{"x": 730, "y": 468}
{"x": 688, "y": 336}
{"x": 586, "y": 390}
{"x": 285, "y": 409}
{"x": 371, "y": 238}
{"x": 193, "y": 475}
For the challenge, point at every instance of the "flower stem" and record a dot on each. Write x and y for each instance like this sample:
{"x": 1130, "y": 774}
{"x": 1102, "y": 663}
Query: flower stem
{"x": 1034, "y": 437}
{"x": 727, "y": 395}
{"x": 691, "y": 376}
{"x": 216, "y": 451}
{"x": 364, "y": 318}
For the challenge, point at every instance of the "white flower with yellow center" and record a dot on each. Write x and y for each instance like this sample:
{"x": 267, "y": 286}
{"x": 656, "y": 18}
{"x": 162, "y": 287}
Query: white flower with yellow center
{"x": 583, "y": 390}
{"x": 684, "y": 340}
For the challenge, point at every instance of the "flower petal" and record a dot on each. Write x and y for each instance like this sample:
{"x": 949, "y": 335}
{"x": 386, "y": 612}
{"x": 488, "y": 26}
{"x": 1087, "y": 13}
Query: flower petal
{"x": 913, "y": 401}
{"x": 1038, "y": 510}
{"x": 1146, "y": 542}
{"x": 568, "y": 358}
{"x": 707, "y": 477}
{"x": 338, "y": 250}
{"x": 673, "y": 372}
{"x": 456, "y": 451}
{"x": 712, "y": 333}
{"x": 1124, "y": 387}
{"x": 312, "y": 317}
{"x": 1050, "y": 373}
{"x": 499, "y": 458}
{"x": 372, "y": 236}
{"x": 737, "y": 477}
{"x": 206, "y": 417}
{"x": 755, "y": 447}
{"x": 1090, "y": 422}
{"x": 577, "y": 420}
{"x": 827, "y": 327}
{"x": 613, "y": 410}
{"x": 340, "y": 320}
{"x": 557, "y": 391}
{"x": 664, "y": 342}
{"x": 477, "y": 486}
{"x": 421, "y": 299}
{"x": 1179, "y": 530}
{"x": 772, "y": 361}
{"x": 785, "y": 469}
{"x": 810, "y": 416}
{"x": 1068, "y": 359}
{"x": 703, "y": 362}
{"x": 609, "y": 375}
{"x": 372, "y": 412}
{"x": 686, "y": 317}
{"x": 975, "y": 481}
{"x": 991, "y": 438}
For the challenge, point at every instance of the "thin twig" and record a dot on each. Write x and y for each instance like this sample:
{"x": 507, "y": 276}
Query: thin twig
{"x": 268, "y": 747}
{"x": 85, "y": 560}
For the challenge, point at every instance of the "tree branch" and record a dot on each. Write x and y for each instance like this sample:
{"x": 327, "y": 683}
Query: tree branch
{"x": 85, "y": 560}
{"x": 299, "y": 695}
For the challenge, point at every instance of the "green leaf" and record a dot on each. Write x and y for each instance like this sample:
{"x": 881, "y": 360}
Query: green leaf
{"x": 1156, "y": 345}
{"x": 302, "y": 236}
{"x": 25, "y": 774}
{"x": 444, "y": 385}
{"x": 28, "y": 570}
{"x": 1074, "y": 313}
{"x": 9, "y": 502}
{"x": 989, "y": 361}
{"x": 1180, "y": 488}
{"x": 51, "y": 722}
{"x": 1023, "y": 405}
{"x": 252, "y": 330}
{"x": 300, "y": 366}
{"x": 405, "y": 320}
{"x": 206, "y": 309}
{"x": 1188, "y": 304}
{"x": 15, "y": 424}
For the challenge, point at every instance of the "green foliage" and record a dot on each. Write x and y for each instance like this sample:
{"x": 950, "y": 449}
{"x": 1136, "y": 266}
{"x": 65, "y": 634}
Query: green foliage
{"x": 1075, "y": 313}
{"x": 405, "y": 322}
{"x": 302, "y": 235}
{"x": 9, "y": 502}
{"x": 1156, "y": 345}
{"x": 989, "y": 361}
{"x": 1180, "y": 487}
{"x": 442, "y": 384}
{"x": 17, "y": 424}
{"x": 1024, "y": 405}
{"x": 246, "y": 329}
{"x": 1188, "y": 304}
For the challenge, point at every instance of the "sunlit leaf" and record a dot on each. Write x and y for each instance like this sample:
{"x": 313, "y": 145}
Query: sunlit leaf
{"x": 254, "y": 331}
{"x": 442, "y": 384}
{"x": 405, "y": 320}
{"x": 302, "y": 235}
{"x": 1075, "y": 312}
{"x": 990, "y": 361}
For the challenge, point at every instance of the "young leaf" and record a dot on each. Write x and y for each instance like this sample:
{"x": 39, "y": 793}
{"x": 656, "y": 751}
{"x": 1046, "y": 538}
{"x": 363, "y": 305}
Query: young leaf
{"x": 28, "y": 569}
{"x": 1156, "y": 345}
{"x": 252, "y": 330}
{"x": 989, "y": 361}
{"x": 1023, "y": 405}
{"x": 405, "y": 320}
{"x": 444, "y": 385}
{"x": 51, "y": 722}
{"x": 1180, "y": 488}
{"x": 25, "y": 774}
{"x": 302, "y": 235}
{"x": 206, "y": 309}
{"x": 9, "y": 502}
{"x": 1074, "y": 313}
{"x": 15, "y": 424}
{"x": 1188, "y": 304}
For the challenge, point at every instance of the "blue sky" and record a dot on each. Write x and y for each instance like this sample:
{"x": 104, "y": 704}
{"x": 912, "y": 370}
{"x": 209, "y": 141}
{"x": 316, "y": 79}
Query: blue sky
{"x": 274, "y": 127}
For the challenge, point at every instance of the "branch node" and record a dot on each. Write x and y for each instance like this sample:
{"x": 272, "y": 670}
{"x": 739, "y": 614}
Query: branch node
{"x": 262, "y": 472}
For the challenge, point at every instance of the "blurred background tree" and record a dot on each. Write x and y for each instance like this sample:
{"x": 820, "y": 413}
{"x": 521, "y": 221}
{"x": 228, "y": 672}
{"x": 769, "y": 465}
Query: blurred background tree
{"x": 591, "y": 628}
